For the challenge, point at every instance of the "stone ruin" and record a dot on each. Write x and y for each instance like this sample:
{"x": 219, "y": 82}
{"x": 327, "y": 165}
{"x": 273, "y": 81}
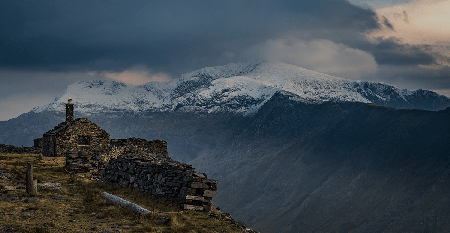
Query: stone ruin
{"x": 134, "y": 162}
{"x": 141, "y": 164}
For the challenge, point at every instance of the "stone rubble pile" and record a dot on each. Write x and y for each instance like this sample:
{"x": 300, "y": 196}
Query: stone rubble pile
{"x": 163, "y": 177}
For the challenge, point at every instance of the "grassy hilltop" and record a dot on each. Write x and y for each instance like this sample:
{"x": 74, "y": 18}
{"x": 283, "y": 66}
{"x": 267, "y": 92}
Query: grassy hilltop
{"x": 77, "y": 205}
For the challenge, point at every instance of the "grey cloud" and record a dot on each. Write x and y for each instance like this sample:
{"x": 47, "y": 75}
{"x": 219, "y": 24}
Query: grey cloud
{"x": 391, "y": 51}
{"x": 433, "y": 77}
{"x": 175, "y": 37}
{"x": 319, "y": 55}
{"x": 165, "y": 35}
{"x": 387, "y": 23}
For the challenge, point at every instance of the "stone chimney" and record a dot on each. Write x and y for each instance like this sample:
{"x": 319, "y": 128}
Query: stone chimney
{"x": 69, "y": 111}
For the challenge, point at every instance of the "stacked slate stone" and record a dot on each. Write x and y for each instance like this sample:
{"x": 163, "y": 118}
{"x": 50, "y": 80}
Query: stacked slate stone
{"x": 156, "y": 146}
{"x": 200, "y": 193}
{"x": 80, "y": 162}
{"x": 86, "y": 161}
{"x": 163, "y": 177}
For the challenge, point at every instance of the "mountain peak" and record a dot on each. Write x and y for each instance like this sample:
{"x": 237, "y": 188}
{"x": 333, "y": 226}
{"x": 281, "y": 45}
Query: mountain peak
{"x": 240, "y": 88}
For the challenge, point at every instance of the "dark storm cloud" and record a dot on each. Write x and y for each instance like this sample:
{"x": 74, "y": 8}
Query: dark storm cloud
{"x": 435, "y": 77}
{"x": 89, "y": 35}
{"x": 407, "y": 66}
{"x": 392, "y": 52}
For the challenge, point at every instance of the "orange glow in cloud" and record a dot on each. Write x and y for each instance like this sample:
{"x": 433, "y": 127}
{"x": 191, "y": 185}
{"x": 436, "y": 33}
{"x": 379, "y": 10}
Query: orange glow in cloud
{"x": 133, "y": 77}
{"x": 418, "y": 22}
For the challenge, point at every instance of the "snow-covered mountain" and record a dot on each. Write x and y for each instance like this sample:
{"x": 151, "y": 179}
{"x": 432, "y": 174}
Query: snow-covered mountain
{"x": 240, "y": 88}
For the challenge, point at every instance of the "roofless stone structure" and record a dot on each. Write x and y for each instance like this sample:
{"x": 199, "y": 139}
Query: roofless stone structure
{"x": 74, "y": 136}
{"x": 134, "y": 162}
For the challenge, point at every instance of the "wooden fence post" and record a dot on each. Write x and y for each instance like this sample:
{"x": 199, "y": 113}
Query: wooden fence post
{"x": 31, "y": 183}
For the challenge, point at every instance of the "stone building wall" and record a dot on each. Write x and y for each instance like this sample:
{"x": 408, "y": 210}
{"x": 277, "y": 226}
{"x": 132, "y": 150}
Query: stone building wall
{"x": 83, "y": 135}
{"x": 49, "y": 144}
{"x": 74, "y": 136}
{"x": 81, "y": 162}
{"x": 38, "y": 142}
{"x": 163, "y": 177}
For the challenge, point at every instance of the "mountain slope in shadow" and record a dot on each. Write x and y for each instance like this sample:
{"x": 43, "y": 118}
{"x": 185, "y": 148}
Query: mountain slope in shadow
{"x": 296, "y": 166}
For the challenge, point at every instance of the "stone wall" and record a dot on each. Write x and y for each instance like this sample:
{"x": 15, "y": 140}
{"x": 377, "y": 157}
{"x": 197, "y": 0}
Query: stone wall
{"x": 155, "y": 146}
{"x": 81, "y": 162}
{"x": 93, "y": 161}
{"x": 38, "y": 143}
{"x": 163, "y": 177}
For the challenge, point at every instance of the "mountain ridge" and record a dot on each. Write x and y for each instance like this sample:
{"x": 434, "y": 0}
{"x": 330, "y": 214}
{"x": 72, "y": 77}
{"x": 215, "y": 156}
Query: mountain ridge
{"x": 241, "y": 88}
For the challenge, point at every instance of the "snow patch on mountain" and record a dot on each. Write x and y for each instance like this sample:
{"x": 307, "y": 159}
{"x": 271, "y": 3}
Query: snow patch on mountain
{"x": 237, "y": 87}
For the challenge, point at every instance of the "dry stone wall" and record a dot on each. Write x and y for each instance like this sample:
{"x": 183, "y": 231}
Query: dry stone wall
{"x": 81, "y": 162}
{"x": 163, "y": 177}
{"x": 156, "y": 146}
{"x": 93, "y": 161}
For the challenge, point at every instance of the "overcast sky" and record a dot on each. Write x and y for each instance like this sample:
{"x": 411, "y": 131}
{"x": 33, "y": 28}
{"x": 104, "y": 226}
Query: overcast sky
{"x": 46, "y": 45}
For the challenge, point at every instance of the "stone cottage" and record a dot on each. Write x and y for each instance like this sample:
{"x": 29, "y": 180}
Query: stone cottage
{"x": 74, "y": 135}
{"x": 133, "y": 162}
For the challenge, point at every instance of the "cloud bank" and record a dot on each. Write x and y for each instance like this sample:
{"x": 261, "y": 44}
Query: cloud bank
{"x": 136, "y": 76}
{"x": 171, "y": 36}
{"x": 319, "y": 55}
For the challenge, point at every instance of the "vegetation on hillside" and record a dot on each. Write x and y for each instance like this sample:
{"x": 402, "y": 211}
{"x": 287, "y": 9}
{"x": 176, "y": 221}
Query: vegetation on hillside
{"x": 77, "y": 204}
